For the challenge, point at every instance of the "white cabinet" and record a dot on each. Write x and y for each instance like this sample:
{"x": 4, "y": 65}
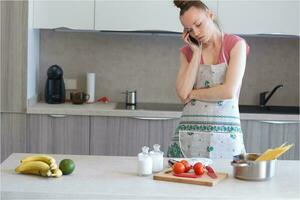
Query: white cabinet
{"x": 259, "y": 17}
{"x": 139, "y": 15}
{"x": 68, "y": 14}
{"x": 234, "y": 16}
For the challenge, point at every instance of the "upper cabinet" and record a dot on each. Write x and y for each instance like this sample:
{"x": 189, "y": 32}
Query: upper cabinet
{"x": 234, "y": 16}
{"x": 68, "y": 14}
{"x": 139, "y": 15}
{"x": 259, "y": 17}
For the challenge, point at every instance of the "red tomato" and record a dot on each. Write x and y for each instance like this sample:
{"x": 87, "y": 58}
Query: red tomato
{"x": 178, "y": 168}
{"x": 187, "y": 165}
{"x": 198, "y": 168}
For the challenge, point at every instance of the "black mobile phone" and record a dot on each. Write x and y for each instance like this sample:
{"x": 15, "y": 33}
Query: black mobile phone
{"x": 193, "y": 40}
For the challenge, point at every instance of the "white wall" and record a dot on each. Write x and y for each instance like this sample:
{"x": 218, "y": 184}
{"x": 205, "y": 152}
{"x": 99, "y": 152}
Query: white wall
{"x": 33, "y": 55}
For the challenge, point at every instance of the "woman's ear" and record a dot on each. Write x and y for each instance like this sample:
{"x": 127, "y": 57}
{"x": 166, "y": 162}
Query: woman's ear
{"x": 211, "y": 15}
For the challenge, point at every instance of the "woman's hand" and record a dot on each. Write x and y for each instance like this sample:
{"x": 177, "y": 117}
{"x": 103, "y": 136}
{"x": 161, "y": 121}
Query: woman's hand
{"x": 188, "y": 99}
{"x": 193, "y": 46}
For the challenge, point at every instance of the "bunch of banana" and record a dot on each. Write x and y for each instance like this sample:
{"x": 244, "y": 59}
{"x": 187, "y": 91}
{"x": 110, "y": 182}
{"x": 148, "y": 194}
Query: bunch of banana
{"x": 42, "y": 165}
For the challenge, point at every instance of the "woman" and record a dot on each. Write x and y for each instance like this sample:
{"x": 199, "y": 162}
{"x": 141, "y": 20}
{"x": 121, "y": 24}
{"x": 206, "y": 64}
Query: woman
{"x": 208, "y": 83}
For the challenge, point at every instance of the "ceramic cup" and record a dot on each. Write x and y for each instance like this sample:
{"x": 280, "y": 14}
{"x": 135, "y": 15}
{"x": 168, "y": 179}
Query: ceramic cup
{"x": 79, "y": 97}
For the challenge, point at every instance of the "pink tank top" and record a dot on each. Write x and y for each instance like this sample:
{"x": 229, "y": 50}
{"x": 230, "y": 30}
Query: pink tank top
{"x": 228, "y": 43}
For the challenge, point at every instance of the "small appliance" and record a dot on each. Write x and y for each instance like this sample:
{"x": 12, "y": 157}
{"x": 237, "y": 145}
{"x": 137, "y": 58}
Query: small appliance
{"x": 55, "y": 86}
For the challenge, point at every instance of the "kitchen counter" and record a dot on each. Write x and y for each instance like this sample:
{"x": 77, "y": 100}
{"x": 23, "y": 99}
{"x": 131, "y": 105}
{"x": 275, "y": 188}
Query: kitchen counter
{"x": 109, "y": 177}
{"x": 103, "y": 109}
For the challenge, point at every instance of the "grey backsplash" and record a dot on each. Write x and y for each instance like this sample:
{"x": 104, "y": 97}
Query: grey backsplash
{"x": 149, "y": 64}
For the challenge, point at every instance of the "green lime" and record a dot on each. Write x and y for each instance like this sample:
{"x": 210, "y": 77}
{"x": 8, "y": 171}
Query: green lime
{"x": 67, "y": 166}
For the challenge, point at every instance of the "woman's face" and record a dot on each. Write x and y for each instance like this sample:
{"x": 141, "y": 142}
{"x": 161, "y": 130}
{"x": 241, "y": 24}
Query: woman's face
{"x": 198, "y": 23}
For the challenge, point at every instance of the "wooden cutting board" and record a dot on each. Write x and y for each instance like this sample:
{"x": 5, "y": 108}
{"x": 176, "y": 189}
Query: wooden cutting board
{"x": 167, "y": 175}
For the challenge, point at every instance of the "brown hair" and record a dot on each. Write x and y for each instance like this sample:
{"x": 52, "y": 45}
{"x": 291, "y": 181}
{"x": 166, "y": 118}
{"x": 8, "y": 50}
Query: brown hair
{"x": 184, "y": 5}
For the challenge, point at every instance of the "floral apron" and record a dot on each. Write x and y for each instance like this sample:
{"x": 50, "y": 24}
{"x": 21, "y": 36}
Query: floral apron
{"x": 209, "y": 129}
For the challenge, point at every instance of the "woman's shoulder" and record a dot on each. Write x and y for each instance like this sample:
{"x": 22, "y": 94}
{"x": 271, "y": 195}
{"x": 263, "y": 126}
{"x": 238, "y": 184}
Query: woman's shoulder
{"x": 230, "y": 40}
{"x": 187, "y": 51}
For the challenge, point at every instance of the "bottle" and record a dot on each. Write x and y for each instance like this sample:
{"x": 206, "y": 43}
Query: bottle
{"x": 90, "y": 86}
{"x": 144, "y": 162}
{"x": 157, "y": 158}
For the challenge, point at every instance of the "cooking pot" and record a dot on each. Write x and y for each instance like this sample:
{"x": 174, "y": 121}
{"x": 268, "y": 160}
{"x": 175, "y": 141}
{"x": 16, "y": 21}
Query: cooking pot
{"x": 246, "y": 168}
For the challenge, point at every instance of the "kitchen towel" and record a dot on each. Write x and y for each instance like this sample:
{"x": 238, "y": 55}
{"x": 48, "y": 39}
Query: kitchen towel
{"x": 90, "y": 86}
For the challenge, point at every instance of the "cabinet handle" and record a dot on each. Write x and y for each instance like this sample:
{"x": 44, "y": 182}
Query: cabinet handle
{"x": 58, "y": 116}
{"x": 155, "y": 118}
{"x": 280, "y": 122}
{"x": 62, "y": 28}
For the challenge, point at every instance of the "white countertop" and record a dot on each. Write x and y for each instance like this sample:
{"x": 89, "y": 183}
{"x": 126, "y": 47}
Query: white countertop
{"x": 109, "y": 177}
{"x": 108, "y": 109}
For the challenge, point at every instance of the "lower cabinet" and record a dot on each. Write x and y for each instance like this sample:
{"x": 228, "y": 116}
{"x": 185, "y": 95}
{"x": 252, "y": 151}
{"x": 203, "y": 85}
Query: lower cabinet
{"x": 122, "y": 136}
{"x": 262, "y": 135}
{"x": 125, "y": 136}
{"x": 58, "y": 134}
{"x": 13, "y": 134}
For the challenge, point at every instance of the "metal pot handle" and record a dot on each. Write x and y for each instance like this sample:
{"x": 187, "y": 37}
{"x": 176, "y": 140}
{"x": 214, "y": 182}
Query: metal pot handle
{"x": 244, "y": 164}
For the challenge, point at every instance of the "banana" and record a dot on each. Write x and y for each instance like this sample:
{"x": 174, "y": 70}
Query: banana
{"x": 34, "y": 167}
{"x": 53, "y": 166}
{"x": 42, "y": 165}
{"x": 56, "y": 172}
{"x": 47, "y": 173}
{"x": 38, "y": 172}
{"x": 45, "y": 158}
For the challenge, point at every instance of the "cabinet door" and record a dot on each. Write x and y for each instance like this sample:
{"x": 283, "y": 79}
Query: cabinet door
{"x": 262, "y": 135}
{"x": 117, "y": 136}
{"x": 61, "y": 135}
{"x": 280, "y": 132}
{"x": 13, "y": 55}
{"x": 259, "y": 17}
{"x": 70, "y": 14}
{"x": 124, "y": 136}
{"x": 161, "y": 132}
{"x": 139, "y": 15}
{"x": 13, "y": 134}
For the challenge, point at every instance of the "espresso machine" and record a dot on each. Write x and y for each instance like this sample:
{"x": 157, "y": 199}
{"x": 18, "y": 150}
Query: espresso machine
{"x": 55, "y": 86}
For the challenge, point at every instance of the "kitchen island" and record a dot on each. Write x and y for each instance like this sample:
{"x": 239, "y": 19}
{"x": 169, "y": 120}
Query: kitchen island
{"x": 112, "y": 177}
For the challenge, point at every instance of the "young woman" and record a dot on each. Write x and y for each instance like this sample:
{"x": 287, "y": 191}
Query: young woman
{"x": 208, "y": 83}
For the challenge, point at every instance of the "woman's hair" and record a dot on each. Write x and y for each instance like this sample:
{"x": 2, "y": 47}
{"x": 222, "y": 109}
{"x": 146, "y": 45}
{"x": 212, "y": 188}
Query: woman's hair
{"x": 184, "y": 5}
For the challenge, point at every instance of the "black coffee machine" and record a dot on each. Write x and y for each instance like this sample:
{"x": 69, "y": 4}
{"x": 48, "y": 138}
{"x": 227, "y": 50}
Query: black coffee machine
{"x": 55, "y": 86}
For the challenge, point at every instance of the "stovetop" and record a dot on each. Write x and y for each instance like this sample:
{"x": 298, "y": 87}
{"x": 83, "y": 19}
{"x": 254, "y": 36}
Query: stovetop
{"x": 151, "y": 106}
{"x": 179, "y": 107}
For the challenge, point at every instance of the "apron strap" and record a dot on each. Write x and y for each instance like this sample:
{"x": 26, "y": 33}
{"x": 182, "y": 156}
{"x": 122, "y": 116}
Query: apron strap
{"x": 222, "y": 49}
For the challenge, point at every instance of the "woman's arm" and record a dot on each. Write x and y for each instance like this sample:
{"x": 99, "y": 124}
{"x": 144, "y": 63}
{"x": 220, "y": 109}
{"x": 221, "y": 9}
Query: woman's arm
{"x": 186, "y": 76}
{"x": 233, "y": 78}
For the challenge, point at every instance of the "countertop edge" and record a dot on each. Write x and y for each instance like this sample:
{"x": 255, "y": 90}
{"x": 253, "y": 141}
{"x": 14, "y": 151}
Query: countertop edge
{"x": 107, "y": 110}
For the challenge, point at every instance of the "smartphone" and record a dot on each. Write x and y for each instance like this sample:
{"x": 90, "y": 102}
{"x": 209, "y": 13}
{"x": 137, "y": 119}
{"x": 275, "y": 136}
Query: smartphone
{"x": 193, "y": 40}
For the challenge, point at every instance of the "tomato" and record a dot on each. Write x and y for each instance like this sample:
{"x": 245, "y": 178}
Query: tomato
{"x": 183, "y": 161}
{"x": 178, "y": 168}
{"x": 198, "y": 168}
{"x": 187, "y": 165}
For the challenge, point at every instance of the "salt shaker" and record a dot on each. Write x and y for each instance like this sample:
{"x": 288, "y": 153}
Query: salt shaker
{"x": 144, "y": 162}
{"x": 157, "y": 158}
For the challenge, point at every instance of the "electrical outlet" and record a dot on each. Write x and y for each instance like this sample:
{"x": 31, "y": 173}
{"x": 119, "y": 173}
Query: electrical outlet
{"x": 71, "y": 84}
